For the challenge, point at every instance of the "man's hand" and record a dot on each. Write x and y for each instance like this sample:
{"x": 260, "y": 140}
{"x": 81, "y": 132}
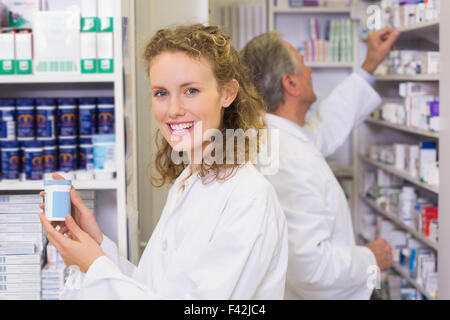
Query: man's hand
{"x": 379, "y": 45}
{"x": 382, "y": 252}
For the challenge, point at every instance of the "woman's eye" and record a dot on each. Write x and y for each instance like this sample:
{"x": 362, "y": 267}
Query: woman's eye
{"x": 191, "y": 91}
{"x": 160, "y": 93}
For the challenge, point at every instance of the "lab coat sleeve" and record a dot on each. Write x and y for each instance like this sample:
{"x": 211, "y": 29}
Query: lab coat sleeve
{"x": 111, "y": 251}
{"x": 239, "y": 255}
{"x": 318, "y": 268}
{"x": 344, "y": 109}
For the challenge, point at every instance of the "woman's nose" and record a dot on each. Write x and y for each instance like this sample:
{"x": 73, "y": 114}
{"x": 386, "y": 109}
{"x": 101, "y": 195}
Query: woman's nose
{"x": 176, "y": 109}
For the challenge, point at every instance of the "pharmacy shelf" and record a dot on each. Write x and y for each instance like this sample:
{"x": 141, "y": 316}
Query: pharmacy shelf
{"x": 328, "y": 65}
{"x": 402, "y": 174}
{"x": 417, "y": 29}
{"x": 311, "y": 10}
{"x": 399, "y": 223}
{"x": 69, "y": 78}
{"x": 39, "y": 185}
{"x": 417, "y": 77}
{"x": 404, "y": 273}
{"x": 419, "y": 132}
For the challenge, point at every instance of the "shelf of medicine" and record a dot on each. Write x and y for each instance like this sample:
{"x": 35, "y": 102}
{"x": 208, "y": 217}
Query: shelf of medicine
{"x": 399, "y": 223}
{"x": 404, "y": 273}
{"x": 402, "y": 174}
{"x": 417, "y": 77}
{"x": 68, "y": 78}
{"x": 427, "y": 26}
{"x": 329, "y": 65}
{"x": 419, "y": 132}
{"x": 39, "y": 185}
{"x": 308, "y": 10}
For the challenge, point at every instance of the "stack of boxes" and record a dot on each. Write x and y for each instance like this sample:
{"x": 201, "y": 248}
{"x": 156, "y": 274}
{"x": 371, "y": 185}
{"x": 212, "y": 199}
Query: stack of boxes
{"x": 21, "y": 247}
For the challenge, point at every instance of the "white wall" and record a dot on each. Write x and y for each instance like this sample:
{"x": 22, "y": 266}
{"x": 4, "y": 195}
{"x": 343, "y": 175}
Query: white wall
{"x": 151, "y": 16}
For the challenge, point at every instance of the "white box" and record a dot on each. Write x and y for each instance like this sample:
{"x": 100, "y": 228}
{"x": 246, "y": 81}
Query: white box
{"x": 19, "y": 218}
{"x": 20, "y": 269}
{"x": 21, "y": 259}
{"x": 87, "y": 195}
{"x": 89, "y": 8}
{"x": 23, "y": 198}
{"x": 21, "y": 287}
{"x": 7, "y": 51}
{"x": 20, "y": 227}
{"x": 20, "y": 278}
{"x": 36, "y": 238}
{"x": 105, "y": 52}
{"x": 20, "y": 296}
{"x": 13, "y": 248}
{"x": 24, "y": 46}
{"x": 431, "y": 63}
{"x": 19, "y": 208}
{"x": 88, "y": 53}
{"x": 24, "y": 9}
{"x": 105, "y": 8}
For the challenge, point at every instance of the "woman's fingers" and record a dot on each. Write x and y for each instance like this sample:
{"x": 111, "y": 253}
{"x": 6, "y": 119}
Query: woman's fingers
{"x": 51, "y": 232}
{"x": 73, "y": 227}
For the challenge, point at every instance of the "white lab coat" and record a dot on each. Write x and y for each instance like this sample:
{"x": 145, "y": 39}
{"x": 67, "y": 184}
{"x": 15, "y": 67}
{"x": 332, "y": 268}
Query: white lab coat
{"x": 223, "y": 240}
{"x": 324, "y": 262}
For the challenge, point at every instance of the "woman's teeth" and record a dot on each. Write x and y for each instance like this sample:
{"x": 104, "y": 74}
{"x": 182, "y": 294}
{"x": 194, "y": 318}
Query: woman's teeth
{"x": 184, "y": 126}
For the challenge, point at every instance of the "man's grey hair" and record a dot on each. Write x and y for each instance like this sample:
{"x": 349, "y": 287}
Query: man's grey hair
{"x": 269, "y": 60}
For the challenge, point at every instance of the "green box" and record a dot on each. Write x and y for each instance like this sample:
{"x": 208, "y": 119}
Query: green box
{"x": 105, "y": 65}
{"x": 106, "y": 25}
{"x": 7, "y": 67}
{"x": 91, "y": 24}
{"x": 88, "y": 66}
{"x": 24, "y": 66}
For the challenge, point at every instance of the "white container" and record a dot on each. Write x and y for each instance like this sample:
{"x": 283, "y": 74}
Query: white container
{"x": 57, "y": 199}
{"x": 407, "y": 203}
{"x": 399, "y": 151}
{"x": 104, "y": 156}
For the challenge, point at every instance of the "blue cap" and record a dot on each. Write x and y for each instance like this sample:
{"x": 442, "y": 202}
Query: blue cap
{"x": 105, "y": 100}
{"x": 66, "y": 102}
{"x": 7, "y": 103}
{"x": 99, "y": 138}
{"x": 47, "y": 102}
{"x": 87, "y": 101}
{"x": 10, "y": 144}
{"x": 428, "y": 145}
{"x": 32, "y": 144}
{"x": 57, "y": 182}
{"x": 25, "y": 102}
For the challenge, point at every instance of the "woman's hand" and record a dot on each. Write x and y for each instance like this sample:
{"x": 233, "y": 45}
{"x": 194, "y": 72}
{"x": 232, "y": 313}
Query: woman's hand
{"x": 84, "y": 217}
{"x": 79, "y": 250}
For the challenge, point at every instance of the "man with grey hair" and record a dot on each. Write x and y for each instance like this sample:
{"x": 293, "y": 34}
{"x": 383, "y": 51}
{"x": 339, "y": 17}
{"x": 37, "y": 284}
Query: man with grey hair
{"x": 324, "y": 261}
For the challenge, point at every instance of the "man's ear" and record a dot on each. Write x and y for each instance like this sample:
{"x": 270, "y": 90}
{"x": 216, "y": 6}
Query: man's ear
{"x": 291, "y": 85}
{"x": 229, "y": 93}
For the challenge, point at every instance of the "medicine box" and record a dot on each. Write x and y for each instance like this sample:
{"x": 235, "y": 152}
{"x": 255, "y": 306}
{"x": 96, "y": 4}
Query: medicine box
{"x": 23, "y": 198}
{"x": 22, "y": 11}
{"x": 36, "y": 238}
{"x": 20, "y": 227}
{"x": 20, "y": 279}
{"x": 20, "y": 296}
{"x": 89, "y": 19}
{"x": 105, "y": 14}
{"x": 21, "y": 287}
{"x": 19, "y": 247}
{"x": 24, "y": 53}
{"x": 105, "y": 52}
{"x": 89, "y": 53}
{"x": 19, "y": 218}
{"x": 7, "y": 54}
{"x": 20, "y": 269}
{"x": 21, "y": 259}
{"x": 19, "y": 208}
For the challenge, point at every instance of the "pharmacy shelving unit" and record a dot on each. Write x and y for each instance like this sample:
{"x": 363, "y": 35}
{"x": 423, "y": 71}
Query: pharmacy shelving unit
{"x": 110, "y": 206}
{"x": 424, "y": 36}
{"x": 293, "y": 24}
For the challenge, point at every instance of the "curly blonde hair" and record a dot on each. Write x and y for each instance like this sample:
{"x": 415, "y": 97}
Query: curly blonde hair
{"x": 246, "y": 112}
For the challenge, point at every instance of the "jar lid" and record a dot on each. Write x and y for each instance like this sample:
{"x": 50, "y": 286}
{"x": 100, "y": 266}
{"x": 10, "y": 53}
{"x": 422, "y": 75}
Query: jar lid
{"x": 58, "y": 182}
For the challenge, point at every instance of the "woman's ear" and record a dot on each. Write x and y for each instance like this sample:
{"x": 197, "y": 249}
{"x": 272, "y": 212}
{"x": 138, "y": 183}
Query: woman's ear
{"x": 229, "y": 93}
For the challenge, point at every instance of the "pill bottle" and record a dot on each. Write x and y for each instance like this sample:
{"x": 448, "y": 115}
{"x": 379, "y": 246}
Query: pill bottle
{"x": 105, "y": 117}
{"x": 68, "y": 154}
{"x": 87, "y": 110}
{"x": 7, "y": 120}
{"x": 50, "y": 158}
{"x": 57, "y": 199}
{"x": 45, "y": 118}
{"x": 67, "y": 117}
{"x": 10, "y": 160}
{"x": 104, "y": 156}
{"x": 33, "y": 160}
{"x": 25, "y": 118}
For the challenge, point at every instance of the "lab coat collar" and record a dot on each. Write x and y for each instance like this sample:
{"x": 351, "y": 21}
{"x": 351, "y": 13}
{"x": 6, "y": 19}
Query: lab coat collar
{"x": 291, "y": 127}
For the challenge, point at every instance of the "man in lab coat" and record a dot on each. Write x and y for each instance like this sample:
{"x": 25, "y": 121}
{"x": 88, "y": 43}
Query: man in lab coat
{"x": 324, "y": 261}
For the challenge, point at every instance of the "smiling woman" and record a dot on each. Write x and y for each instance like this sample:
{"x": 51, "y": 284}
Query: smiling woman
{"x": 222, "y": 233}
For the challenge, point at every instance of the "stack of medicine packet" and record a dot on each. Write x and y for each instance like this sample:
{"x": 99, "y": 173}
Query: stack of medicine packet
{"x": 21, "y": 247}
